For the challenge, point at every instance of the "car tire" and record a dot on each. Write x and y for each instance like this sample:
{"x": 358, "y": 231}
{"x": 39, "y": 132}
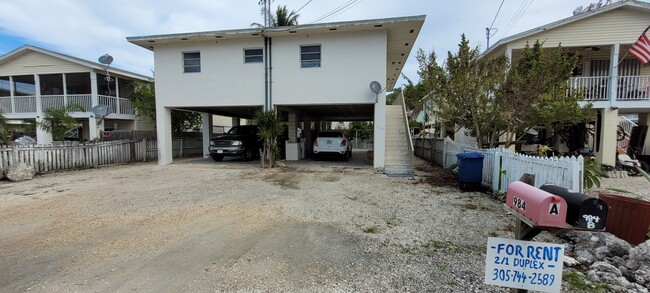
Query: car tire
{"x": 217, "y": 158}
{"x": 247, "y": 155}
{"x": 345, "y": 157}
{"x": 349, "y": 154}
{"x": 315, "y": 157}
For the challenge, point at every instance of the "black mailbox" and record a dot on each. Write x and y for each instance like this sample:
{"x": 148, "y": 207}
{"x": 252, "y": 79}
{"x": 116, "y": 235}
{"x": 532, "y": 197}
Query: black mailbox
{"x": 584, "y": 211}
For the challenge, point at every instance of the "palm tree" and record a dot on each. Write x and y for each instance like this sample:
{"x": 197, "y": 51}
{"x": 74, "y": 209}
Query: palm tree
{"x": 282, "y": 17}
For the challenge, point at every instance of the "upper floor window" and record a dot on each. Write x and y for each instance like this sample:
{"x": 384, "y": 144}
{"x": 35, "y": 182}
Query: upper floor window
{"x": 192, "y": 62}
{"x": 5, "y": 87}
{"x": 253, "y": 55}
{"x": 310, "y": 56}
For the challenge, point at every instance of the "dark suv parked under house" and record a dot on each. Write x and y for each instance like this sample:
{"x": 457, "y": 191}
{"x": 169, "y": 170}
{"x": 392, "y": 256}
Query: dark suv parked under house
{"x": 240, "y": 140}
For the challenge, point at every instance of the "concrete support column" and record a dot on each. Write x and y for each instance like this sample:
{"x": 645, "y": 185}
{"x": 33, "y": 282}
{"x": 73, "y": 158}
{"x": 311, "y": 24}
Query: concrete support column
{"x": 93, "y": 128}
{"x": 39, "y": 103}
{"x": 235, "y": 121}
{"x": 607, "y": 145}
{"x": 206, "y": 129}
{"x": 379, "y": 133}
{"x": 292, "y": 123}
{"x": 613, "y": 75}
{"x": 164, "y": 132}
{"x": 42, "y": 137}
{"x": 309, "y": 138}
{"x": 644, "y": 119}
{"x": 94, "y": 99}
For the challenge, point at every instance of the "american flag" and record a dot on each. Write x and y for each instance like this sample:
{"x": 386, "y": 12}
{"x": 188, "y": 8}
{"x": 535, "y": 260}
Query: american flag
{"x": 641, "y": 49}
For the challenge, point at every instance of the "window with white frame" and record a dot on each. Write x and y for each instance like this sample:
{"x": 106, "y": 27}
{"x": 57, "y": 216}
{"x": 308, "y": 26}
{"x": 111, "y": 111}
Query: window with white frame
{"x": 253, "y": 55}
{"x": 310, "y": 56}
{"x": 191, "y": 62}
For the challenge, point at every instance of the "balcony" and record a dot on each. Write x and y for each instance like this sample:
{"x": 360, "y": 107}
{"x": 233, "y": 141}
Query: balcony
{"x": 597, "y": 88}
{"x": 28, "y": 105}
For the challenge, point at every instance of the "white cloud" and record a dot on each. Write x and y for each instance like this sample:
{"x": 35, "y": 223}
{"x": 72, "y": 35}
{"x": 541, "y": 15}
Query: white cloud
{"x": 88, "y": 29}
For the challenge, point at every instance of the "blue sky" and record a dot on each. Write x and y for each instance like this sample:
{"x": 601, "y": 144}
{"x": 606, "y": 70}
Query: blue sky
{"x": 88, "y": 29}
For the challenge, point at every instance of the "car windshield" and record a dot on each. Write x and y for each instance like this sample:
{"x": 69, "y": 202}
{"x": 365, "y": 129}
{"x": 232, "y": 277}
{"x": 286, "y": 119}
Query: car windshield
{"x": 242, "y": 130}
{"x": 330, "y": 134}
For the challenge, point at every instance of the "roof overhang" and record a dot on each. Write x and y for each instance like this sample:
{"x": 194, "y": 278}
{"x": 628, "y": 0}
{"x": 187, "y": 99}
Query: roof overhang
{"x": 402, "y": 33}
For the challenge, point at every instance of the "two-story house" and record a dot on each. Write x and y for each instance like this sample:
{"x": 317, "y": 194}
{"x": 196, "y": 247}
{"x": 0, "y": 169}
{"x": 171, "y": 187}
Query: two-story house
{"x": 611, "y": 79}
{"x": 312, "y": 73}
{"x": 33, "y": 80}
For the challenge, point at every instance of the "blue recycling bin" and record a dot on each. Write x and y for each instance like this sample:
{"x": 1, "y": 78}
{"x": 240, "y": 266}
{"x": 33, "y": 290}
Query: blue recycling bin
{"x": 470, "y": 170}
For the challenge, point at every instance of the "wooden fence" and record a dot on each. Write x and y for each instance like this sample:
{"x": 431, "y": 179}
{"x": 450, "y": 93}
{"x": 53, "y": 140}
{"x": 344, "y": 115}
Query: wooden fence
{"x": 49, "y": 158}
{"x": 502, "y": 166}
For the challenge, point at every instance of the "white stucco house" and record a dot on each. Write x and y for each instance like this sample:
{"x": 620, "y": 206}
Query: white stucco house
{"x": 34, "y": 79}
{"x": 614, "y": 82}
{"x": 311, "y": 73}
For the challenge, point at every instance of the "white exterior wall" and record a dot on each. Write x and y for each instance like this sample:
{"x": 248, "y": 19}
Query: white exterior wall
{"x": 224, "y": 78}
{"x": 349, "y": 62}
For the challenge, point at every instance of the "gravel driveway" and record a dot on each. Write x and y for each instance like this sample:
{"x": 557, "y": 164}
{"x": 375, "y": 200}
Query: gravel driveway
{"x": 196, "y": 227}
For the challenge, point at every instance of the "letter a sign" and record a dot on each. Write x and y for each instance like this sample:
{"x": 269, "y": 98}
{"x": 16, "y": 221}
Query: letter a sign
{"x": 554, "y": 209}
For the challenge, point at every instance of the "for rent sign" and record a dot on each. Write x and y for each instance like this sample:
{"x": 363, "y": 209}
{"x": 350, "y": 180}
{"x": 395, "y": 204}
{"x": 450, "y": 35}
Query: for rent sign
{"x": 524, "y": 264}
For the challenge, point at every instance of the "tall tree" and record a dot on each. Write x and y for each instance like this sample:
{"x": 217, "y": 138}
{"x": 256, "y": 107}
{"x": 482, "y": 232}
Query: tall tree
{"x": 464, "y": 90}
{"x": 143, "y": 99}
{"x": 283, "y": 17}
{"x": 535, "y": 94}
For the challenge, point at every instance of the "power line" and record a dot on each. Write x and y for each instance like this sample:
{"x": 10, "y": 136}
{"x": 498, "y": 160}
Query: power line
{"x": 520, "y": 12}
{"x": 337, "y": 10}
{"x": 495, "y": 16}
{"x": 303, "y": 6}
{"x": 520, "y": 15}
{"x": 488, "y": 30}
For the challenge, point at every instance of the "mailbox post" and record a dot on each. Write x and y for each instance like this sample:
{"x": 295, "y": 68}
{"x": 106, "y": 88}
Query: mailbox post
{"x": 551, "y": 208}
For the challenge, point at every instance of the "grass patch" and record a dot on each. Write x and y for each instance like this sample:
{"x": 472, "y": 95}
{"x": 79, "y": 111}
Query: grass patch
{"x": 578, "y": 282}
{"x": 445, "y": 246}
{"x": 371, "y": 230}
{"x": 452, "y": 283}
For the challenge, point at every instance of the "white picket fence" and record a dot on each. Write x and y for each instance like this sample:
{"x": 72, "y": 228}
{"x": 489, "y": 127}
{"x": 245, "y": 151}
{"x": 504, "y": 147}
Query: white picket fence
{"x": 49, "y": 158}
{"x": 502, "y": 166}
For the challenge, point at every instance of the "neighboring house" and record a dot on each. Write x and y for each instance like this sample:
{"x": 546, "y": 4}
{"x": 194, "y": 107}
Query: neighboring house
{"x": 614, "y": 82}
{"x": 33, "y": 80}
{"x": 311, "y": 73}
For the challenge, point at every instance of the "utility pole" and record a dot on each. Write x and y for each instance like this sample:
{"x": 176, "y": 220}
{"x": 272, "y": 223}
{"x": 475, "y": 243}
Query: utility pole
{"x": 488, "y": 34}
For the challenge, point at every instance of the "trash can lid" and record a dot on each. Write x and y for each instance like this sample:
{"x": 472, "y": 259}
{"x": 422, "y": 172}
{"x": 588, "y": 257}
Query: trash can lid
{"x": 470, "y": 155}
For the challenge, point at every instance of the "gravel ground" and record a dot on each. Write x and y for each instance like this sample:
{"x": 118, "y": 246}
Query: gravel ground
{"x": 196, "y": 227}
{"x": 637, "y": 184}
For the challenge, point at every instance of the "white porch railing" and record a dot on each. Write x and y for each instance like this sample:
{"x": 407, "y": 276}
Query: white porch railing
{"x": 52, "y": 102}
{"x": 85, "y": 101}
{"x": 633, "y": 88}
{"x": 108, "y": 101}
{"x": 126, "y": 107}
{"x": 5, "y": 105}
{"x": 25, "y": 104}
{"x": 596, "y": 88}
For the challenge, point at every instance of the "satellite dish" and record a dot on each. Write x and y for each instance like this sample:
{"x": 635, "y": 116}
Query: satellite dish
{"x": 375, "y": 87}
{"x": 105, "y": 59}
{"x": 102, "y": 111}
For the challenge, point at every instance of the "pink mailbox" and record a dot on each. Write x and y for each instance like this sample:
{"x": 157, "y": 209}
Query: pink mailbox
{"x": 541, "y": 207}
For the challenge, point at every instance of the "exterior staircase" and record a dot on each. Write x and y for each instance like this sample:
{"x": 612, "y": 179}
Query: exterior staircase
{"x": 624, "y": 129}
{"x": 399, "y": 145}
